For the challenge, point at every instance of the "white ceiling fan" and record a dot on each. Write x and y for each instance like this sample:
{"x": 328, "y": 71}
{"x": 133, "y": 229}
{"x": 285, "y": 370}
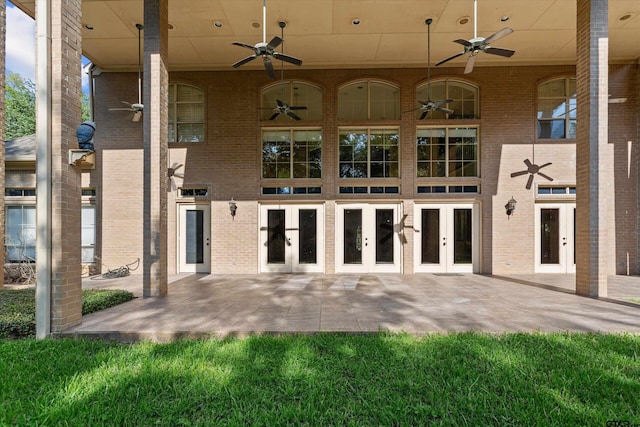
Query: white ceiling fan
{"x": 480, "y": 44}
{"x": 135, "y": 108}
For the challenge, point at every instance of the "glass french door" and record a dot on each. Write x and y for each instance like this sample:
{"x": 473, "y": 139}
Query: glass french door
{"x": 292, "y": 238}
{"x": 555, "y": 238}
{"x": 368, "y": 238}
{"x": 194, "y": 234}
{"x": 446, "y": 238}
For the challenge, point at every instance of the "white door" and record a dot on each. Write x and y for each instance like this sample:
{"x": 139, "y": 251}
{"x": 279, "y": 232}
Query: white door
{"x": 368, "y": 238}
{"x": 292, "y": 238}
{"x": 446, "y": 238}
{"x": 194, "y": 235}
{"x": 555, "y": 238}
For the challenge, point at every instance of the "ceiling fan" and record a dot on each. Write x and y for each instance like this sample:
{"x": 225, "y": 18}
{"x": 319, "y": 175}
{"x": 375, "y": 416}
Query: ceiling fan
{"x": 266, "y": 50}
{"x": 430, "y": 105}
{"x": 532, "y": 169}
{"x": 135, "y": 108}
{"x": 480, "y": 44}
{"x": 171, "y": 173}
{"x": 281, "y": 106}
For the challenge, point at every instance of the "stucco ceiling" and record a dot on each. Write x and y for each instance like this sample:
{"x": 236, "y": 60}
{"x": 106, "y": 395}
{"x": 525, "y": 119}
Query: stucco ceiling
{"x": 391, "y": 33}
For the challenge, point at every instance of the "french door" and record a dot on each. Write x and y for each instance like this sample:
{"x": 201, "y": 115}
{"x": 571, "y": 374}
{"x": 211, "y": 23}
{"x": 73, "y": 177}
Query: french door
{"x": 555, "y": 238}
{"x": 446, "y": 238}
{"x": 292, "y": 238}
{"x": 194, "y": 234}
{"x": 368, "y": 238}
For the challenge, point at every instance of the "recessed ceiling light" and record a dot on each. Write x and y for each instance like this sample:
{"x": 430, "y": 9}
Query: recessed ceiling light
{"x": 355, "y": 21}
{"x": 88, "y": 27}
{"x": 218, "y": 24}
{"x": 624, "y": 17}
{"x": 255, "y": 24}
{"x": 505, "y": 18}
{"x": 463, "y": 20}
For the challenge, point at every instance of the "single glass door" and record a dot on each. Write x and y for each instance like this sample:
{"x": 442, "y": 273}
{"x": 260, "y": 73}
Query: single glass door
{"x": 446, "y": 238}
{"x": 555, "y": 238}
{"x": 368, "y": 238}
{"x": 292, "y": 238}
{"x": 194, "y": 246}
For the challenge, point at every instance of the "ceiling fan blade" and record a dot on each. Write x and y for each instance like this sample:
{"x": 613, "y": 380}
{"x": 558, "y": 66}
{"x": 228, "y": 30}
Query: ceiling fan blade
{"x": 528, "y": 163}
{"x": 298, "y": 108}
{"x": 293, "y": 115}
{"x": 286, "y": 58}
{"x": 274, "y": 115}
{"x": 243, "y": 45}
{"x": 545, "y": 176}
{"x": 120, "y": 109}
{"x": 529, "y": 182}
{"x": 463, "y": 42}
{"x": 545, "y": 165}
{"x": 269, "y": 67}
{"x": 470, "y": 63}
{"x": 423, "y": 115}
{"x": 444, "y": 110}
{"x": 498, "y": 35}
{"x": 449, "y": 58}
{"x": 275, "y": 42}
{"x": 513, "y": 175}
{"x": 280, "y": 103}
{"x": 507, "y": 53}
{"x": 443, "y": 102}
{"x": 136, "y": 116}
{"x": 244, "y": 61}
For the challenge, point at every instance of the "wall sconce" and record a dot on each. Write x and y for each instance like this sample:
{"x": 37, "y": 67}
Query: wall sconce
{"x": 233, "y": 207}
{"x": 510, "y": 206}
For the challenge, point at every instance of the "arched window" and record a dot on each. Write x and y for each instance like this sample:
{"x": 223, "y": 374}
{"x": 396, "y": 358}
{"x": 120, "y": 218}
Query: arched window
{"x": 557, "y": 108}
{"x": 295, "y": 95}
{"x": 464, "y": 96}
{"x": 368, "y": 100}
{"x": 186, "y": 113}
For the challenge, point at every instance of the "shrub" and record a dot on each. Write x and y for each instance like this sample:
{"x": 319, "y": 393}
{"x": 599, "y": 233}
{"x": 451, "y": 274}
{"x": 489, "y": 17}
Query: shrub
{"x": 18, "y": 308}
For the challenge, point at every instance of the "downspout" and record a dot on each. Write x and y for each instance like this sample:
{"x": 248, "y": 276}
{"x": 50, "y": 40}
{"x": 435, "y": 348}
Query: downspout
{"x": 43, "y": 168}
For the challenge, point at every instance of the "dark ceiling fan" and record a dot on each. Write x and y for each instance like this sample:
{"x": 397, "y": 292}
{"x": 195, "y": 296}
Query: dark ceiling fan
{"x": 266, "y": 50}
{"x": 136, "y": 108}
{"x": 429, "y": 105}
{"x": 532, "y": 169}
{"x": 281, "y": 106}
{"x": 480, "y": 44}
{"x": 171, "y": 175}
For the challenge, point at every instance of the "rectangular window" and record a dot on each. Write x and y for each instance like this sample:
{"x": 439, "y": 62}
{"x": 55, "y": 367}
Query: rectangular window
{"x": 369, "y": 153}
{"x": 291, "y": 154}
{"x": 447, "y": 152}
{"x": 20, "y": 233}
{"x": 186, "y": 113}
{"x": 557, "y": 102}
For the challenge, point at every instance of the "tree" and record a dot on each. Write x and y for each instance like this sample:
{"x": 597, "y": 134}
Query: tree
{"x": 20, "y": 108}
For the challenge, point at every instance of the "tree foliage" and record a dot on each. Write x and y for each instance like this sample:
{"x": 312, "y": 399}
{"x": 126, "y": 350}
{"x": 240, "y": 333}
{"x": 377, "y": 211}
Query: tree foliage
{"x": 20, "y": 108}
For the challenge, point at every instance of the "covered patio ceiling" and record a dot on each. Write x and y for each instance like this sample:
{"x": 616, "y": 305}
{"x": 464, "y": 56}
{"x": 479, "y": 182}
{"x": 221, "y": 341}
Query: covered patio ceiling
{"x": 323, "y": 33}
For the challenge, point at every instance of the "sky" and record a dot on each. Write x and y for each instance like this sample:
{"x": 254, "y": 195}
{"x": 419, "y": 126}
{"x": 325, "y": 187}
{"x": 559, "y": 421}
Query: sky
{"x": 21, "y": 45}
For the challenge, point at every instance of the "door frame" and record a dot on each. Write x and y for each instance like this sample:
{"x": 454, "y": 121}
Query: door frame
{"x": 447, "y": 264}
{"x": 567, "y": 232}
{"x": 368, "y": 264}
{"x": 205, "y": 266}
{"x": 292, "y": 264}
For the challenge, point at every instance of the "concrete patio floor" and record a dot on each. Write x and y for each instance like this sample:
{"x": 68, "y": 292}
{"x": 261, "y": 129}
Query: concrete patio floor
{"x": 201, "y": 306}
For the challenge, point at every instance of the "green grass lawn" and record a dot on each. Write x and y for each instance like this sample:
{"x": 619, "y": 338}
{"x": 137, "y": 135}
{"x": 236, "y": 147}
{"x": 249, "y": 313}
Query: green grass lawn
{"x": 468, "y": 379}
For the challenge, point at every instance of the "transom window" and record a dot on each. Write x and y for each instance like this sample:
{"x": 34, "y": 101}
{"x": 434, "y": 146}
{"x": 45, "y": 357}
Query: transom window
{"x": 369, "y": 100}
{"x": 369, "y": 153}
{"x": 557, "y": 104}
{"x": 186, "y": 113}
{"x": 294, "y": 94}
{"x": 447, "y": 152}
{"x": 464, "y": 95}
{"x": 292, "y": 153}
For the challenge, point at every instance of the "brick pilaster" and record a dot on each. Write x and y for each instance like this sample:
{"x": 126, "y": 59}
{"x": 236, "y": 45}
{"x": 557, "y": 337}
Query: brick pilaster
{"x": 156, "y": 87}
{"x": 3, "y": 53}
{"x": 595, "y": 195}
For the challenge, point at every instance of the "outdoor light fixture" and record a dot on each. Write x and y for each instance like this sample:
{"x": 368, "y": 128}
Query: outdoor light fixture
{"x": 233, "y": 207}
{"x": 510, "y": 206}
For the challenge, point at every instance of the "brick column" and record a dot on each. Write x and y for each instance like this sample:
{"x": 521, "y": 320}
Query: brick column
{"x": 155, "y": 101}
{"x": 59, "y": 43}
{"x": 595, "y": 195}
{"x": 3, "y": 54}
